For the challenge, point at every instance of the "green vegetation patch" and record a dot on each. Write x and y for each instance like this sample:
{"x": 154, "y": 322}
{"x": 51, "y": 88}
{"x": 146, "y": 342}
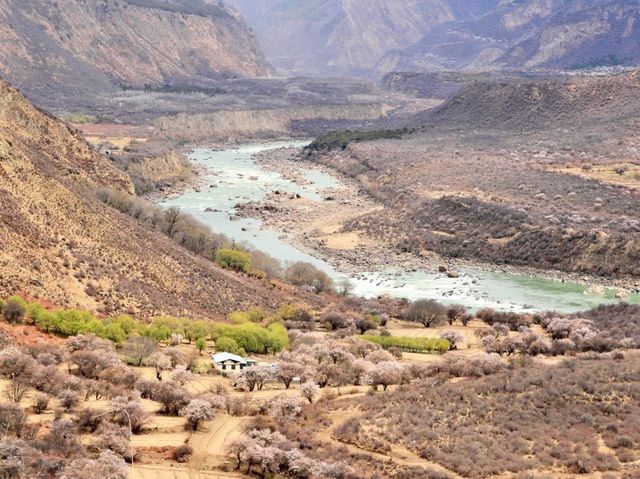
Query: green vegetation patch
{"x": 341, "y": 139}
{"x": 81, "y": 118}
{"x": 412, "y": 345}
{"x": 247, "y": 337}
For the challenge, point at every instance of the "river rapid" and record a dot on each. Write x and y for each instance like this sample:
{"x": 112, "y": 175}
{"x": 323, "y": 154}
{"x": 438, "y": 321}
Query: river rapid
{"x": 232, "y": 176}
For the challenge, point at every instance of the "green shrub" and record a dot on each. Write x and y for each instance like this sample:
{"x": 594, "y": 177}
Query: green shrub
{"x": 195, "y": 330}
{"x": 254, "y": 338}
{"x": 201, "y": 344}
{"x": 234, "y": 259}
{"x": 341, "y": 139}
{"x": 126, "y": 323}
{"x": 114, "y": 332}
{"x": 229, "y": 345}
{"x": 414, "y": 345}
{"x": 239, "y": 317}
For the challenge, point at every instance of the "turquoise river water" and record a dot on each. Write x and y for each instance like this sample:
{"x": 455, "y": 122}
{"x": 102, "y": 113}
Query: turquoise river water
{"x": 237, "y": 178}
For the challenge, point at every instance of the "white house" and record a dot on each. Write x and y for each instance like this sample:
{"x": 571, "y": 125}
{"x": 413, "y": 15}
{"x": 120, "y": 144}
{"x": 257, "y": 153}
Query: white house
{"x": 232, "y": 362}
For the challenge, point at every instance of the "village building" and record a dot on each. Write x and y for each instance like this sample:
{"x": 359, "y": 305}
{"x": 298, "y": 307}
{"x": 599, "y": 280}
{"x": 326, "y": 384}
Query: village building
{"x": 231, "y": 362}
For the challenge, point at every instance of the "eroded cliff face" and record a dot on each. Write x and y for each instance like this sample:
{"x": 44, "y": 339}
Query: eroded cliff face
{"x": 72, "y": 47}
{"x": 231, "y": 124}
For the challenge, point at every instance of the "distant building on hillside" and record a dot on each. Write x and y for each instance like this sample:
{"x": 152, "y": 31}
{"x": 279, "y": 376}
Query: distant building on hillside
{"x": 231, "y": 362}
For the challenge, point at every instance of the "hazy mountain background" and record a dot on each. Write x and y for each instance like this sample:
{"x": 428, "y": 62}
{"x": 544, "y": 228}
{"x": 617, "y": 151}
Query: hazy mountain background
{"x": 337, "y": 37}
{"x": 374, "y": 37}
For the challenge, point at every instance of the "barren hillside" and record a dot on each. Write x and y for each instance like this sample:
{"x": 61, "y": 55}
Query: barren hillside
{"x": 58, "y": 242}
{"x": 528, "y": 173}
{"x": 590, "y": 101}
{"x": 72, "y": 47}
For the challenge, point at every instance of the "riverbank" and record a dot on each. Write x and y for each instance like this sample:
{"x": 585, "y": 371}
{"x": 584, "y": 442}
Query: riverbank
{"x": 317, "y": 229}
{"x": 196, "y": 180}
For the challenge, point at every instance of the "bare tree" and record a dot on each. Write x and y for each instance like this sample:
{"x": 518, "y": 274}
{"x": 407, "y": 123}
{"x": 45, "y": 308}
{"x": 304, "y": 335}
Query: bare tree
{"x": 139, "y": 348}
{"x": 171, "y": 218}
{"x": 196, "y": 411}
{"x": 161, "y": 362}
{"x": 309, "y": 391}
{"x": 345, "y": 287}
{"x": 454, "y": 337}
{"x": 286, "y": 372}
{"x": 426, "y": 312}
{"x": 172, "y": 396}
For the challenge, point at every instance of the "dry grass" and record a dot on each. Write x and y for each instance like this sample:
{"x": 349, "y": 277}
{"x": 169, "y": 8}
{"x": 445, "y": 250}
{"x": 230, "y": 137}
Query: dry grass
{"x": 630, "y": 176}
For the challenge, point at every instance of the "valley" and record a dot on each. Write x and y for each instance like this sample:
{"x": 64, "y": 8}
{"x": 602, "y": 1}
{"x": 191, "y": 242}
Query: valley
{"x": 302, "y": 239}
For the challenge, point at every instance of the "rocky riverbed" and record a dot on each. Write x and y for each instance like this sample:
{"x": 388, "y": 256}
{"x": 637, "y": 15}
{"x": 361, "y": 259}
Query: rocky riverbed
{"x": 317, "y": 227}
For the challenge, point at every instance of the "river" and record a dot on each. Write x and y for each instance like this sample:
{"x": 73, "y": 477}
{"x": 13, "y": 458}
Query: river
{"x": 233, "y": 177}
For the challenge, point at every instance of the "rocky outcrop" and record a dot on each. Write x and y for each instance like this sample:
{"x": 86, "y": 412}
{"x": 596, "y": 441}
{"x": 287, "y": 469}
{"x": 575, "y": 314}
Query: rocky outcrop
{"x": 231, "y": 124}
{"x": 72, "y": 47}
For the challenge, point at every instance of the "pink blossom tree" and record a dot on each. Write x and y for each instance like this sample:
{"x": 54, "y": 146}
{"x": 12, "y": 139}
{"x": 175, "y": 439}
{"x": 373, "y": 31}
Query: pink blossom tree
{"x": 196, "y": 411}
{"x": 309, "y": 391}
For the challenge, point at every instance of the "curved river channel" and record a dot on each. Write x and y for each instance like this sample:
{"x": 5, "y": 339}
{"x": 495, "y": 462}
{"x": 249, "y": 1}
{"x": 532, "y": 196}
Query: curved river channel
{"x": 233, "y": 177}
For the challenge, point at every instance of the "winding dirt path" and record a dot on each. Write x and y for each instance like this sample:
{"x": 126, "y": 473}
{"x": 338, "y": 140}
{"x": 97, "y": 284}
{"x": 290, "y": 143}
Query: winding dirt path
{"x": 168, "y": 471}
{"x": 210, "y": 443}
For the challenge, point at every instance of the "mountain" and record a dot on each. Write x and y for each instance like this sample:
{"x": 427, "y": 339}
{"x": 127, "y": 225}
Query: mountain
{"x": 380, "y": 36}
{"x": 75, "y": 47}
{"x": 334, "y": 37}
{"x": 529, "y": 34}
{"x": 59, "y": 243}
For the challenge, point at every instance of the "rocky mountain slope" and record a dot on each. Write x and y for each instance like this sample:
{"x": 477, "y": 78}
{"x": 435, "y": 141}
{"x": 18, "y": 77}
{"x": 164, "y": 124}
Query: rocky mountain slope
{"x": 73, "y": 47}
{"x": 529, "y": 34}
{"x": 374, "y": 38}
{"x": 58, "y": 242}
{"x": 346, "y": 36}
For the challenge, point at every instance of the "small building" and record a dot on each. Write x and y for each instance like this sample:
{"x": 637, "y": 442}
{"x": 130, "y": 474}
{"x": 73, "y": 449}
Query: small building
{"x": 231, "y": 362}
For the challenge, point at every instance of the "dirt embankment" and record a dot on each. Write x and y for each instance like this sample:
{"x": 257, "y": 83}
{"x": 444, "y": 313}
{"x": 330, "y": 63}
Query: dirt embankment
{"x": 229, "y": 125}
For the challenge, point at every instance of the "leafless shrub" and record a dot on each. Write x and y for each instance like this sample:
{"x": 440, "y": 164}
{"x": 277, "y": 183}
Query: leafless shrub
{"x": 40, "y": 403}
{"x": 12, "y": 418}
{"x": 182, "y": 453}
{"x": 16, "y": 390}
{"x": 139, "y": 348}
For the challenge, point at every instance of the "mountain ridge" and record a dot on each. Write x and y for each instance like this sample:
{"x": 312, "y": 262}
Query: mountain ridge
{"x": 79, "y": 47}
{"x": 374, "y": 38}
